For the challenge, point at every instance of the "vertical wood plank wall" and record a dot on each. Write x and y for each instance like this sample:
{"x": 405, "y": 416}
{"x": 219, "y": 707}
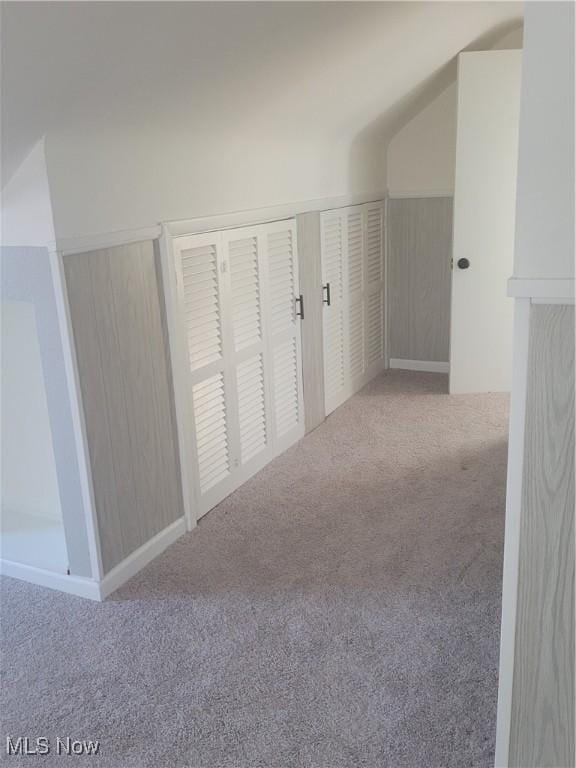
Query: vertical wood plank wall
{"x": 119, "y": 335}
{"x": 419, "y": 277}
{"x": 542, "y": 726}
{"x": 310, "y": 269}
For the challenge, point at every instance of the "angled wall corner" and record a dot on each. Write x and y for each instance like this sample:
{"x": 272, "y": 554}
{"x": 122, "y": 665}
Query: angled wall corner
{"x": 28, "y": 285}
{"x": 26, "y": 204}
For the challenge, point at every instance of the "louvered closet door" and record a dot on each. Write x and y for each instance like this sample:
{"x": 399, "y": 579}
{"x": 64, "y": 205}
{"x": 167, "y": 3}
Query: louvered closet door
{"x": 353, "y": 266}
{"x": 374, "y": 288}
{"x": 243, "y": 253}
{"x": 332, "y": 246}
{"x": 283, "y": 333}
{"x": 237, "y": 294}
{"x": 355, "y": 341}
{"x": 200, "y": 285}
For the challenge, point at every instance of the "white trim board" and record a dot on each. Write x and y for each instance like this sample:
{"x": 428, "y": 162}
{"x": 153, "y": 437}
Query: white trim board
{"x": 141, "y": 557}
{"x": 268, "y": 213}
{"x": 564, "y": 302}
{"x": 430, "y": 366}
{"x": 512, "y": 525}
{"x": 541, "y": 288}
{"x": 72, "y": 585}
{"x": 393, "y": 195}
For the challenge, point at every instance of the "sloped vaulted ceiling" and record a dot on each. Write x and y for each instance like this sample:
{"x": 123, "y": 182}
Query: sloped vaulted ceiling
{"x": 158, "y": 111}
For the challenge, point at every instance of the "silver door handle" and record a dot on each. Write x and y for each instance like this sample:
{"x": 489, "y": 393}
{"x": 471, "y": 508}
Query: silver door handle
{"x": 300, "y": 302}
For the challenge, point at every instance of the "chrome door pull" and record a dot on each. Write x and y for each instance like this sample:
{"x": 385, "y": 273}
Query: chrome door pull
{"x": 300, "y": 302}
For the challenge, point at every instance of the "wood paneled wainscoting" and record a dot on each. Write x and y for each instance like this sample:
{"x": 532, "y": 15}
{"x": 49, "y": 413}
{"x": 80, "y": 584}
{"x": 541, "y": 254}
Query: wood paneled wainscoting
{"x": 419, "y": 282}
{"x": 124, "y": 375}
{"x": 536, "y": 694}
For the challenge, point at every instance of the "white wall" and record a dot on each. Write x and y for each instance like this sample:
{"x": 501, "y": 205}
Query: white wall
{"x": 156, "y": 111}
{"x": 216, "y": 173}
{"x": 422, "y": 155}
{"x": 25, "y": 206}
{"x": 28, "y": 467}
{"x": 545, "y": 203}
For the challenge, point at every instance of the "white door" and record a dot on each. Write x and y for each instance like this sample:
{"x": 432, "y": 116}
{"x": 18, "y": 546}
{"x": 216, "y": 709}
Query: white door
{"x": 283, "y": 334}
{"x": 237, "y": 292}
{"x": 352, "y": 249}
{"x": 199, "y": 269}
{"x": 374, "y": 292}
{"x": 484, "y": 213}
{"x": 332, "y": 235}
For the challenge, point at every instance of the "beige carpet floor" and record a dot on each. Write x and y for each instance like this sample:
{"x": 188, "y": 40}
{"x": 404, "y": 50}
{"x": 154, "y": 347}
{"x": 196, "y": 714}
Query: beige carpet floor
{"x": 340, "y": 610}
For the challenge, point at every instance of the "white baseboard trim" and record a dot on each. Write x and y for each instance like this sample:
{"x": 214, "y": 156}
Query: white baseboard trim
{"x": 430, "y": 366}
{"x": 90, "y": 588}
{"x": 140, "y": 558}
{"x": 73, "y": 585}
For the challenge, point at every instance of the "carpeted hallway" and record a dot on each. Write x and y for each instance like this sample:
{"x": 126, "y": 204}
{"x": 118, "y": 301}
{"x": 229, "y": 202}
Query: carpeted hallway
{"x": 341, "y": 609}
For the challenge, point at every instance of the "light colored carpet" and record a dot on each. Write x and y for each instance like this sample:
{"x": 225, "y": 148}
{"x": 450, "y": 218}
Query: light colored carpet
{"x": 341, "y": 609}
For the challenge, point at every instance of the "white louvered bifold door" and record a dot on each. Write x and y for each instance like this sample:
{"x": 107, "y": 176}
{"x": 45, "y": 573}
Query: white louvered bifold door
{"x": 284, "y": 338}
{"x": 199, "y": 270}
{"x": 374, "y": 288}
{"x": 353, "y": 322}
{"x": 354, "y": 298}
{"x": 243, "y": 254}
{"x": 332, "y": 246}
{"x": 237, "y": 293}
